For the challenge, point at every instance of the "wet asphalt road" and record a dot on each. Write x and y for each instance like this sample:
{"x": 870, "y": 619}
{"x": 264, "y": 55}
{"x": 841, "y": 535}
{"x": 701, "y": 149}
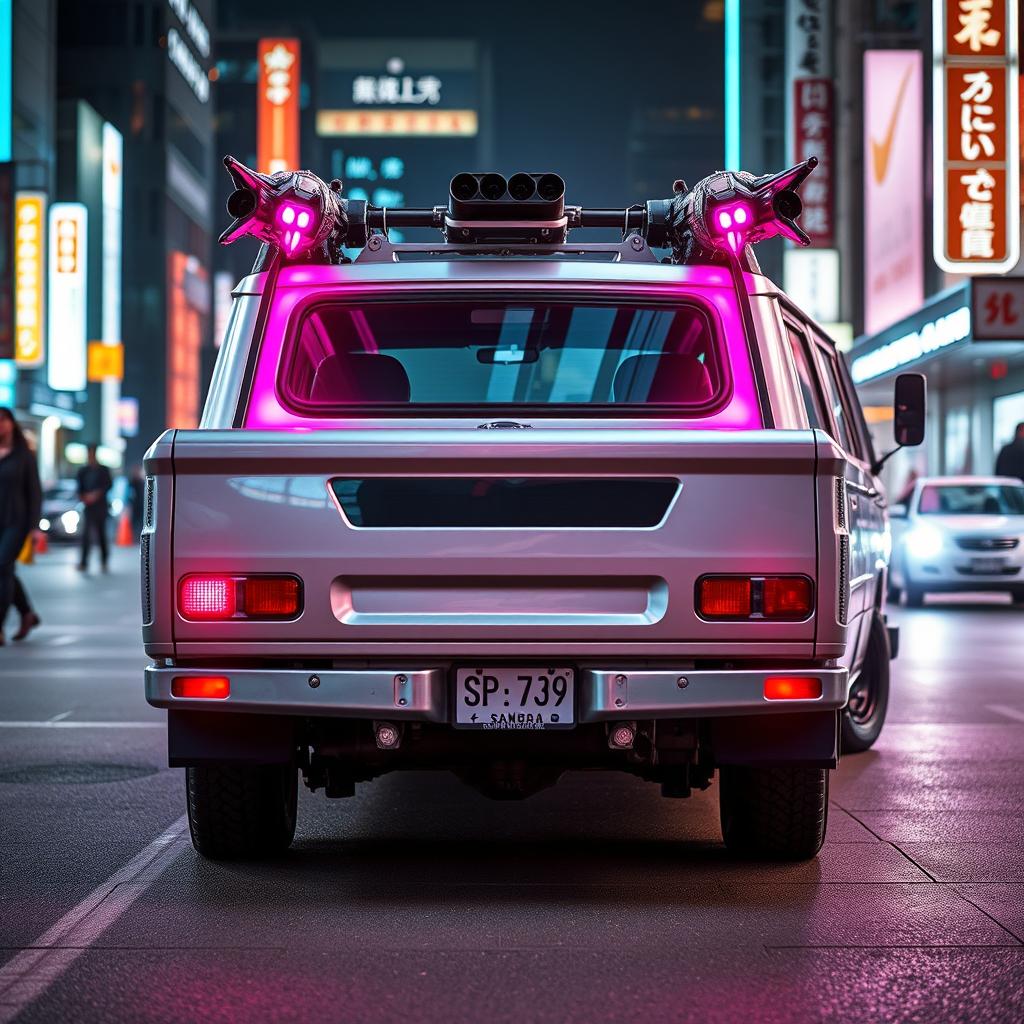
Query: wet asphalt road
{"x": 420, "y": 901}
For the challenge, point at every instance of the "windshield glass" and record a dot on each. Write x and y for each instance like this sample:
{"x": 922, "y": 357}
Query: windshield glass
{"x": 493, "y": 353}
{"x": 972, "y": 500}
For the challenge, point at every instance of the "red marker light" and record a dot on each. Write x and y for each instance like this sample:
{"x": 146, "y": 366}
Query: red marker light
{"x": 792, "y": 688}
{"x": 207, "y": 597}
{"x": 201, "y": 687}
{"x": 272, "y": 597}
{"x": 787, "y": 597}
{"x": 724, "y": 597}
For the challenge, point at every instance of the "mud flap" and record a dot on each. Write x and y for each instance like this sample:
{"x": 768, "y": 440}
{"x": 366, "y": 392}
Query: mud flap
{"x": 809, "y": 738}
{"x": 201, "y": 737}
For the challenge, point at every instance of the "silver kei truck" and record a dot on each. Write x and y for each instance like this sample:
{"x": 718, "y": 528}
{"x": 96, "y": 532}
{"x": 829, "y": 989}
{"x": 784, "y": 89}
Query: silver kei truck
{"x": 509, "y": 504}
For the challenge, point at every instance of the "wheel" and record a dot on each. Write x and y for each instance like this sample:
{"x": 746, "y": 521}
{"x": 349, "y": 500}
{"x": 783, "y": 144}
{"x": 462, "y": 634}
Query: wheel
{"x": 864, "y": 715}
{"x": 240, "y": 811}
{"x": 778, "y": 812}
{"x": 914, "y": 596}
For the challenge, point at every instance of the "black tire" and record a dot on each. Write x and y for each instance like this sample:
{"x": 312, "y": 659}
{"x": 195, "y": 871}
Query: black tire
{"x": 893, "y": 594}
{"x": 864, "y": 715}
{"x": 241, "y": 811}
{"x": 914, "y": 596}
{"x": 1017, "y": 595}
{"x": 775, "y": 812}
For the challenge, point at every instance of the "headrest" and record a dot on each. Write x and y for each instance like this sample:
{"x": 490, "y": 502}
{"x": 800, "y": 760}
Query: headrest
{"x": 667, "y": 378}
{"x": 352, "y": 378}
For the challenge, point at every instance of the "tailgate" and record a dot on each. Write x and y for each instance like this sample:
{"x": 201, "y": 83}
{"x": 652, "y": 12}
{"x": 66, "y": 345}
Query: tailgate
{"x": 462, "y": 539}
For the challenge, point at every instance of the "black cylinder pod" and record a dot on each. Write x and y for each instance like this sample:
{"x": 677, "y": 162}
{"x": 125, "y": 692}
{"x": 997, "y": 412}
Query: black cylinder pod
{"x": 521, "y": 187}
{"x": 493, "y": 186}
{"x": 464, "y": 187}
{"x": 550, "y": 187}
{"x": 241, "y": 202}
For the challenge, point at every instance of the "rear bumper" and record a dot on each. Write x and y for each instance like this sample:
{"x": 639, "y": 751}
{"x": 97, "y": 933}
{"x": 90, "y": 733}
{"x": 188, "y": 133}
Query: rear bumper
{"x": 424, "y": 695}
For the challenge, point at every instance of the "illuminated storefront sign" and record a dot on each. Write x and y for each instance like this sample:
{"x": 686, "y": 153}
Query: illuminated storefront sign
{"x": 8, "y": 383}
{"x": 932, "y": 336}
{"x": 277, "y": 110}
{"x": 811, "y": 110}
{"x": 188, "y": 303}
{"x": 997, "y": 305}
{"x": 812, "y": 281}
{"x": 893, "y": 203}
{"x": 6, "y": 261}
{"x": 396, "y": 122}
{"x": 29, "y": 277}
{"x": 976, "y": 136}
{"x": 110, "y": 299}
{"x": 66, "y": 310}
{"x": 105, "y": 363}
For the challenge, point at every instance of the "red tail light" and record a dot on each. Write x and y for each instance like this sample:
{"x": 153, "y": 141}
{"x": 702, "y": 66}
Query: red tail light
{"x": 792, "y": 688}
{"x": 725, "y": 597}
{"x": 210, "y": 598}
{"x": 202, "y": 687}
{"x": 786, "y": 597}
{"x": 755, "y": 597}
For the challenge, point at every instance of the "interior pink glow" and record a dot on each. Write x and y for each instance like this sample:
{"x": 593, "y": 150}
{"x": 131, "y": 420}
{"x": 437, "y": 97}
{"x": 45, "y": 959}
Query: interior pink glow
{"x": 300, "y": 283}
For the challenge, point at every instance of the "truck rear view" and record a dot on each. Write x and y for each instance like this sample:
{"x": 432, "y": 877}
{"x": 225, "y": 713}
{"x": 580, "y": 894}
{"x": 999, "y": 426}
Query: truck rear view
{"x": 508, "y": 508}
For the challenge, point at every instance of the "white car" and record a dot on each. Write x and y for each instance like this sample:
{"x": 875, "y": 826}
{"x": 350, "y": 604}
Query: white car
{"x": 958, "y": 533}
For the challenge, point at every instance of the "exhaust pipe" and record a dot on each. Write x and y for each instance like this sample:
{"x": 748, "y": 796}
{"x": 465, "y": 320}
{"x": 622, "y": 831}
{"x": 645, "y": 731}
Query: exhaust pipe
{"x": 464, "y": 187}
{"x": 493, "y": 186}
{"x": 550, "y": 187}
{"x": 521, "y": 186}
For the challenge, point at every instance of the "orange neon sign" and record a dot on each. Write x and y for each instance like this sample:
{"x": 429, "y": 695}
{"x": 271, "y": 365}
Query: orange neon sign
{"x": 277, "y": 111}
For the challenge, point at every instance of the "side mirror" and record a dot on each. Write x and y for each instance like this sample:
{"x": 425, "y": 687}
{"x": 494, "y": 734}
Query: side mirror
{"x": 898, "y": 511}
{"x": 909, "y": 408}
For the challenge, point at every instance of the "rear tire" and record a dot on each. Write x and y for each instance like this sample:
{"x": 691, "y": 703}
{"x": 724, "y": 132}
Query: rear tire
{"x": 241, "y": 811}
{"x": 864, "y": 715}
{"x": 774, "y": 812}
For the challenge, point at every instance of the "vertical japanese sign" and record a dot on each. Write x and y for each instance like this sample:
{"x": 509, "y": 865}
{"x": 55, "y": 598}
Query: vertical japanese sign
{"x": 277, "y": 111}
{"x": 893, "y": 203}
{"x": 29, "y": 277}
{"x": 976, "y": 103}
{"x": 810, "y": 109}
{"x": 65, "y": 321}
{"x": 110, "y": 308}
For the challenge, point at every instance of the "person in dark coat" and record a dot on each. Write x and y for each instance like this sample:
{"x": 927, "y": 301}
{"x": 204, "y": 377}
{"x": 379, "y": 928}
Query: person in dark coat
{"x": 1011, "y": 459}
{"x": 20, "y": 498}
{"x": 94, "y": 480}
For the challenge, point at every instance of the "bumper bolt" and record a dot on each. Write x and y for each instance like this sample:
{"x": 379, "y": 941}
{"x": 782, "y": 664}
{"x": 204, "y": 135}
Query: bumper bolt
{"x": 314, "y": 681}
{"x": 401, "y": 679}
{"x": 682, "y": 682}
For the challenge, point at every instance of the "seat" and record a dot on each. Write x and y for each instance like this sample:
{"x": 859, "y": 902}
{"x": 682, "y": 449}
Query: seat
{"x": 354, "y": 378}
{"x": 667, "y": 378}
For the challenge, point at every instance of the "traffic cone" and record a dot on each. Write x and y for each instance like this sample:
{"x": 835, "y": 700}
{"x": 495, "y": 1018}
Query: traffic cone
{"x": 42, "y": 542}
{"x": 124, "y": 532}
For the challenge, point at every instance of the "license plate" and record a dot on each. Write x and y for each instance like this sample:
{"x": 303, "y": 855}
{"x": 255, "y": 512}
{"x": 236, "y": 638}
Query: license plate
{"x": 515, "y": 698}
{"x": 988, "y": 564}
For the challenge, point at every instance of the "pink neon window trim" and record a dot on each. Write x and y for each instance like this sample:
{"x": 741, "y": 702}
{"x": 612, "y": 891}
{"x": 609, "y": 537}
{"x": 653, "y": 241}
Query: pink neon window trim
{"x": 299, "y": 287}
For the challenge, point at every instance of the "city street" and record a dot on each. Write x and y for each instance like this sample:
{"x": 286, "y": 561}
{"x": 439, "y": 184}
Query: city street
{"x": 418, "y": 900}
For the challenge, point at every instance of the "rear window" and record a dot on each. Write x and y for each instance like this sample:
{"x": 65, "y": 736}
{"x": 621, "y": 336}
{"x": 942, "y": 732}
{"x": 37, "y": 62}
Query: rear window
{"x": 972, "y": 500}
{"x": 504, "y": 353}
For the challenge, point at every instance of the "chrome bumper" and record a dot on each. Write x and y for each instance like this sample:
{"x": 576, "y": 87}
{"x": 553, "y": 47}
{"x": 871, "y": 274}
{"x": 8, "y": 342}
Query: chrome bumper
{"x": 423, "y": 695}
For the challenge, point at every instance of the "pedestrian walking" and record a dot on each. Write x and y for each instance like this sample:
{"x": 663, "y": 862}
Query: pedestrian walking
{"x": 94, "y": 481}
{"x": 20, "y": 497}
{"x": 1011, "y": 458}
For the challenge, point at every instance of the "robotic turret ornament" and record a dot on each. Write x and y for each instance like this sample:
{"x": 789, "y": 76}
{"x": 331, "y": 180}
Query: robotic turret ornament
{"x": 729, "y": 210}
{"x": 296, "y": 211}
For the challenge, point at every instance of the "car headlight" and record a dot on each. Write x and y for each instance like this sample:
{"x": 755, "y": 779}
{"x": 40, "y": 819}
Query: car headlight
{"x": 69, "y": 520}
{"x": 44, "y": 524}
{"x": 924, "y": 541}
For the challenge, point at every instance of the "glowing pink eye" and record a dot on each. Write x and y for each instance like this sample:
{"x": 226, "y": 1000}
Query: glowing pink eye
{"x": 303, "y": 219}
{"x": 288, "y": 214}
{"x": 740, "y": 215}
{"x": 724, "y": 219}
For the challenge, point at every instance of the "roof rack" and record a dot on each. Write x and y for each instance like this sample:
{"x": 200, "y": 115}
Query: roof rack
{"x": 308, "y": 220}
